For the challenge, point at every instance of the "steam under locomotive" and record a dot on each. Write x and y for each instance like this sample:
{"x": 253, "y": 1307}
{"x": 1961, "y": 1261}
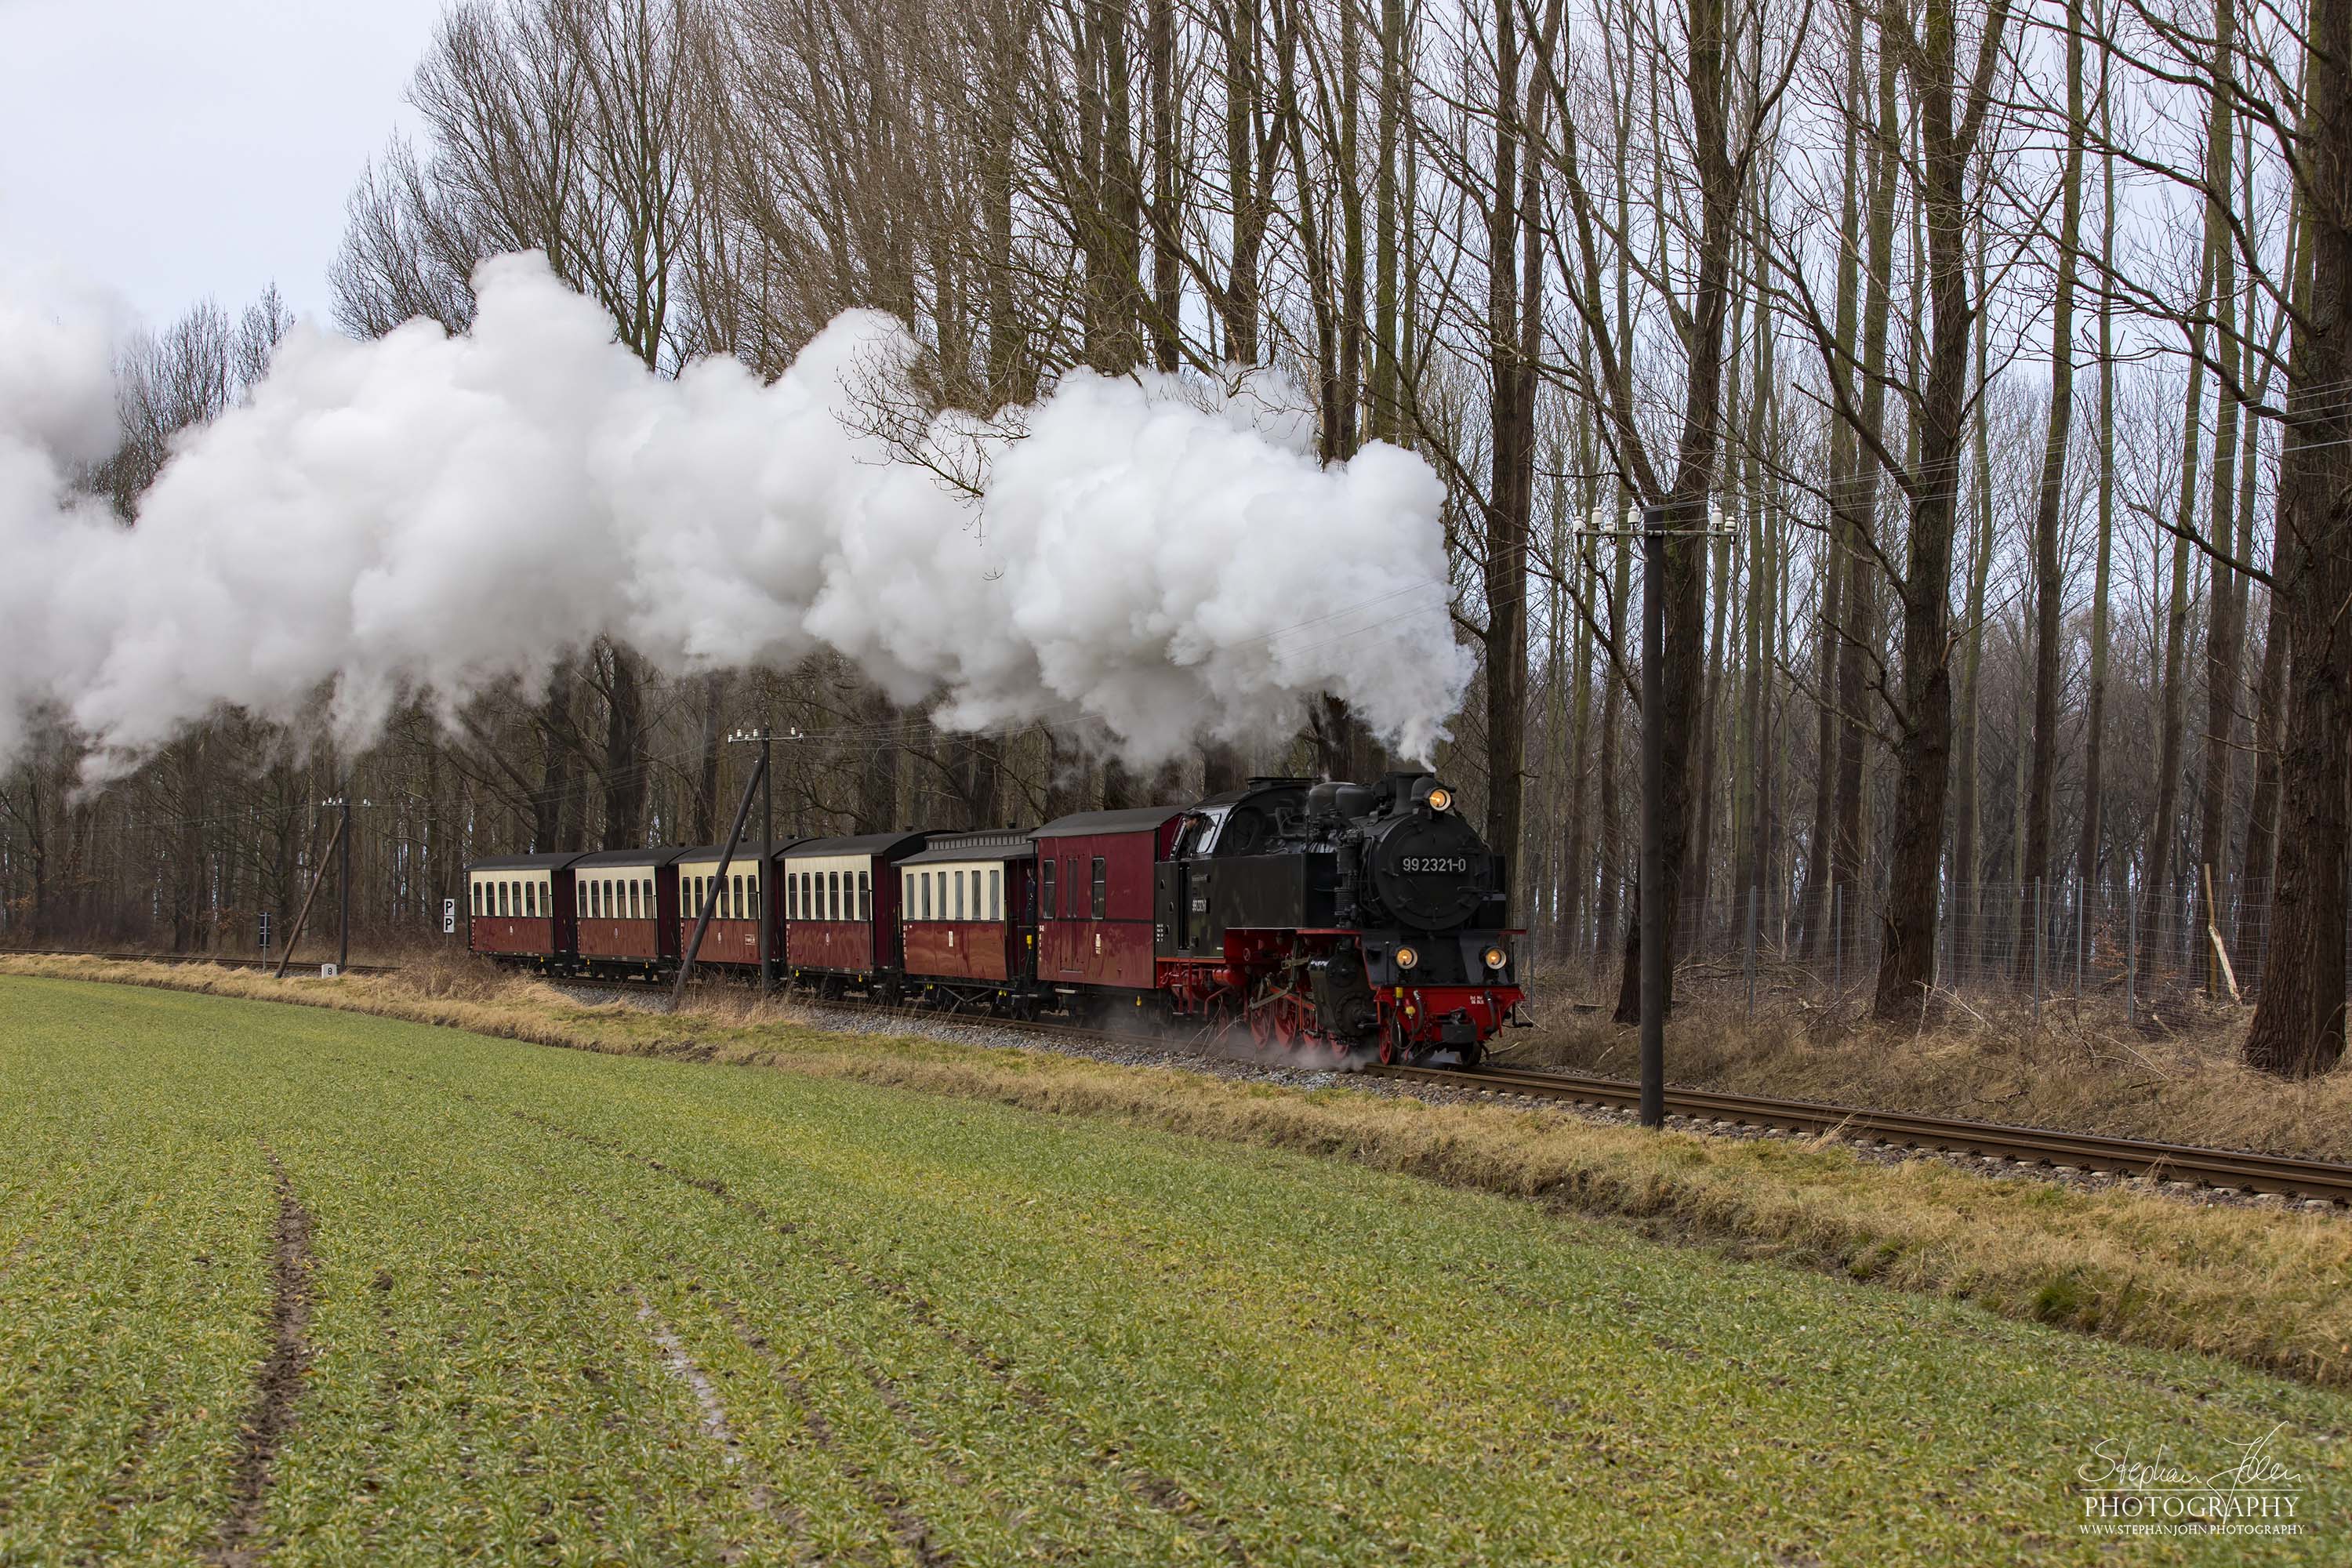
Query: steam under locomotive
{"x": 1327, "y": 917}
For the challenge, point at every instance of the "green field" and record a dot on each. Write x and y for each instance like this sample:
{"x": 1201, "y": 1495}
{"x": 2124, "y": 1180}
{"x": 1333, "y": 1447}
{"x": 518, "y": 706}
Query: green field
{"x": 288, "y": 1285}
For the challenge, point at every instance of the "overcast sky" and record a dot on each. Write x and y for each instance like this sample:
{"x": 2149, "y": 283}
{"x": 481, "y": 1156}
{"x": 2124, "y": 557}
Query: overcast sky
{"x": 177, "y": 148}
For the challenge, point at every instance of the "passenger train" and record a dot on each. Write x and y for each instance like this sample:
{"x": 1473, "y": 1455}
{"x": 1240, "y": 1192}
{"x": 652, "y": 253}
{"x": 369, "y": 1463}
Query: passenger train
{"x": 1319, "y": 918}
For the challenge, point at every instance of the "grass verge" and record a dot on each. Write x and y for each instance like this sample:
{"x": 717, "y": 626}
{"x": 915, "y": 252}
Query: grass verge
{"x": 2167, "y": 1068}
{"x": 2271, "y": 1289}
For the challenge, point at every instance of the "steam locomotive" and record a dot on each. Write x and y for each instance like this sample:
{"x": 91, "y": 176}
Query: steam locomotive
{"x": 1329, "y": 919}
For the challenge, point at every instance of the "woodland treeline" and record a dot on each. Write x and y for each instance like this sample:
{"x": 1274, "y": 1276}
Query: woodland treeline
{"x": 1984, "y": 359}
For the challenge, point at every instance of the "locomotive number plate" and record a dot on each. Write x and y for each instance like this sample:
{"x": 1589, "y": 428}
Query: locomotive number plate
{"x": 1454, "y": 865}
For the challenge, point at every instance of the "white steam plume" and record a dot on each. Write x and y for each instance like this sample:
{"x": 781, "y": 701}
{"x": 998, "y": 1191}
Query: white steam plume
{"x": 427, "y": 516}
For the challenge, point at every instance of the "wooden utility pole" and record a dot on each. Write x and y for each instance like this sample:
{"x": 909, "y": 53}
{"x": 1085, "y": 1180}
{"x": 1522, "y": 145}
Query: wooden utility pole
{"x": 302, "y": 917}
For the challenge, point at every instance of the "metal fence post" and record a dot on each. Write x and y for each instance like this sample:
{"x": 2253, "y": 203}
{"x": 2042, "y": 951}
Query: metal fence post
{"x": 2038, "y": 932}
{"x": 1837, "y": 945}
{"x": 2131, "y": 958}
{"x": 1752, "y": 891}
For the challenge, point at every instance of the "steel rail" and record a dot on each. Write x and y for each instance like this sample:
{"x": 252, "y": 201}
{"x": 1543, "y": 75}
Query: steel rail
{"x": 2227, "y": 1168}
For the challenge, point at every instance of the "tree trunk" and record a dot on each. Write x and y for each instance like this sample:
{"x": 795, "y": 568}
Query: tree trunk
{"x": 2224, "y": 629}
{"x": 2048, "y": 585}
{"x": 1511, "y": 475}
{"x": 2176, "y": 635}
{"x": 626, "y": 764}
{"x": 1923, "y": 750}
{"x": 1685, "y": 594}
{"x": 2255, "y": 884}
{"x": 1858, "y": 498}
{"x": 2298, "y": 1025}
{"x": 2094, "y": 710}
{"x": 1967, "y": 812}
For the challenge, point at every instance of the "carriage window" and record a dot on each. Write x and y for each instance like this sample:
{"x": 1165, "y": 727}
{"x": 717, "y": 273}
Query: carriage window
{"x": 1102, "y": 886}
{"x": 477, "y": 899}
{"x": 530, "y": 898}
{"x": 957, "y": 877}
{"x": 865, "y": 895}
{"x": 580, "y": 899}
{"x": 927, "y": 895}
{"x": 1045, "y": 890}
{"x": 996, "y": 895}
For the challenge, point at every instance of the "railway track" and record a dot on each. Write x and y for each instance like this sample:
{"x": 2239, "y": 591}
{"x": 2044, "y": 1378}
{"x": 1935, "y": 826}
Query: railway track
{"x": 2238, "y": 1170}
{"x": 2244, "y": 1170}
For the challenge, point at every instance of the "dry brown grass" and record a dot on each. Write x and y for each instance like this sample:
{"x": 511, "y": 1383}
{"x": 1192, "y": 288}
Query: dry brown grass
{"x": 2171, "y": 1073}
{"x": 2268, "y": 1288}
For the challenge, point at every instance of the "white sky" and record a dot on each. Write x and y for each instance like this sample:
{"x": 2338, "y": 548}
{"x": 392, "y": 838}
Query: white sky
{"x": 171, "y": 149}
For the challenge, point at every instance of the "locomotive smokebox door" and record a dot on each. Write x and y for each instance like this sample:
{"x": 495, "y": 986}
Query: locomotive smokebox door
{"x": 1430, "y": 871}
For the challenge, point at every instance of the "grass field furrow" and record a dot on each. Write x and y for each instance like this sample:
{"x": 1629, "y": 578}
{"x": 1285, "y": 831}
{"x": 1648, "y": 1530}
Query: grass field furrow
{"x": 565, "y": 1307}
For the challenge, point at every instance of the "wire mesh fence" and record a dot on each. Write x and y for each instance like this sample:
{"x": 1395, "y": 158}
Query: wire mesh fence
{"x": 2034, "y": 941}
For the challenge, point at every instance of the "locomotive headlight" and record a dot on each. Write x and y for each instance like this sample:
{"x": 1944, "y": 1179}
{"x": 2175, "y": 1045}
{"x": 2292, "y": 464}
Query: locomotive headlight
{"x": 1497, "y": 958}
{"x": 1440, "y": 798}
{"x": 1406, "y": 958}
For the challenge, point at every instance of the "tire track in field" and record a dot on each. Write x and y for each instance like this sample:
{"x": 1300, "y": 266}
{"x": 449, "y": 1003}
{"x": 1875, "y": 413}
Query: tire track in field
{"x": 1159, "y": 1491}
{"x": 279, "y": 1387}
{"x": 715, "y": 1423}
{"x": 907, "y": 1525}
{"x": 912, "y": 1530}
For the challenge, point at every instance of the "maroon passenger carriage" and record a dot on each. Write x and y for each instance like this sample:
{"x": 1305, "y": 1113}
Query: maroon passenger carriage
{"x": 626, "y": 906}
{"x": 967, "y": 921}
{"x": 732, "y": 939}
{"x": 1096, "y": 943}
{"x": 841, "y": 910}
{"x": 518, "y": 910}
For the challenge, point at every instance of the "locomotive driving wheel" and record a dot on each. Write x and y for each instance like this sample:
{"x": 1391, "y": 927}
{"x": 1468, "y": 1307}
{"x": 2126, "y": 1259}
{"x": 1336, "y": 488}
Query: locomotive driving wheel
{"x": 1279, "y": 1017}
